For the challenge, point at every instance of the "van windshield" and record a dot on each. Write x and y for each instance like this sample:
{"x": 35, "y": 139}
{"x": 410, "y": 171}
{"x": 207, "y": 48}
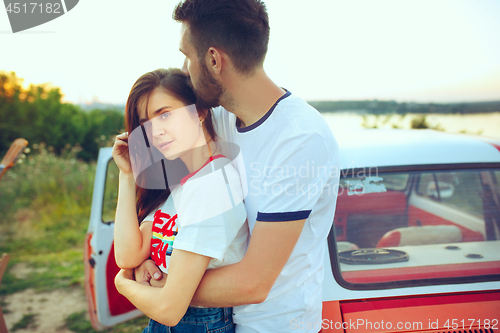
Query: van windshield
{"x": 394, "y": 229}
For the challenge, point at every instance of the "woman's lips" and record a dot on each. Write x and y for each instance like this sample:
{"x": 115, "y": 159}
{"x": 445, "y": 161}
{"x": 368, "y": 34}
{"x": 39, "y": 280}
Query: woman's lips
{"x": 165, "y": 145}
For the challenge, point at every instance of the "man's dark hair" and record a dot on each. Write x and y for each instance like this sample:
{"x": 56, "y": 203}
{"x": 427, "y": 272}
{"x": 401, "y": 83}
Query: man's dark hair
{"x": 238, "y": 27}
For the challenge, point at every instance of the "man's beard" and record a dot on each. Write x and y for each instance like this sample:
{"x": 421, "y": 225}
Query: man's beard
{"x": 209, "y": 91}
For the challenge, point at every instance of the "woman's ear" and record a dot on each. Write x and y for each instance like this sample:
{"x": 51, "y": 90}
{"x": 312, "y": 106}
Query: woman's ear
{"x": 202, "y": 115}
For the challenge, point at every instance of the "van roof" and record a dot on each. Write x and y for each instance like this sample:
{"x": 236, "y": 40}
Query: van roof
{"x": 378, "y": 147}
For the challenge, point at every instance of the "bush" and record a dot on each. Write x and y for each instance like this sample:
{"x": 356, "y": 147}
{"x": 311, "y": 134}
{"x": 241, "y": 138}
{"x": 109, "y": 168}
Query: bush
{"x": 419, "y": 122}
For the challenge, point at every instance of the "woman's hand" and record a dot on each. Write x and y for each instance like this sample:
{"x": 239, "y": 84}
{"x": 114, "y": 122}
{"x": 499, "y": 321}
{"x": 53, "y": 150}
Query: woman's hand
{"x": 120, "y": 153}
{"x": 159, "y": 283}
{"x": 149, "y": 274}
{"x": 122, "y": 277}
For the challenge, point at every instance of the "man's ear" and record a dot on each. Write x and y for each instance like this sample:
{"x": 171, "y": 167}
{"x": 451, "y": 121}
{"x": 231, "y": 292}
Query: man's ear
{"x": 214, "y": 60}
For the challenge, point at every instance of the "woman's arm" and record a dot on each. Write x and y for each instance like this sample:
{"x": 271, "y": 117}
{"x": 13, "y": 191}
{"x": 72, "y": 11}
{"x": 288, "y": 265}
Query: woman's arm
{"x": 168, "y": 305}
{"x": 131, "y": 245}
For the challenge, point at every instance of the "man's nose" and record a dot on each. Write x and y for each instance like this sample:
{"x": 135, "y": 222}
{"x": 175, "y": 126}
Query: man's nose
{"x": 184, "y": 67}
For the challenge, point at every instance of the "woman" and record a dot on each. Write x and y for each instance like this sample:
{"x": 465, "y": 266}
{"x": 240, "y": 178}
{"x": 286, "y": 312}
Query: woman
{"x": 188, "y": 228}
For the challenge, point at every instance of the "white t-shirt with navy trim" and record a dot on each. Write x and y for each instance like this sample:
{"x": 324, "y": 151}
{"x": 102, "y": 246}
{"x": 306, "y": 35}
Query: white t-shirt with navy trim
{"x": 205, "y": 214}
{"x": 291, "y": 160}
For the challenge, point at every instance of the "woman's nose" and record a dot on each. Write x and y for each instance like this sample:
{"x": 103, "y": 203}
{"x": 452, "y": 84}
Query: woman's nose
{"x": 156, "y": 128}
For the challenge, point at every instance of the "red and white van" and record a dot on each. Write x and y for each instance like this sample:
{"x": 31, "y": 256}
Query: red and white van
{"x": 414, "y": 247}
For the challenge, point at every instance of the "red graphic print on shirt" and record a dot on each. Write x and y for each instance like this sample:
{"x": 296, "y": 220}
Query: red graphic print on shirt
{"x": 163, "y": 237}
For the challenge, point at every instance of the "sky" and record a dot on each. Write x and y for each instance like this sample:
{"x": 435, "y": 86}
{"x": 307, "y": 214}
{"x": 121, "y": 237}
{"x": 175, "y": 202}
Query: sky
{"x": 403, "y": 50}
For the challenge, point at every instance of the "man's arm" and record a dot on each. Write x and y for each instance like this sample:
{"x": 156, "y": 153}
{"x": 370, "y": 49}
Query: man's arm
{"x": 251, "y": 279}
{"x": 271, "y": 243}
{"x": 248, "y": 281}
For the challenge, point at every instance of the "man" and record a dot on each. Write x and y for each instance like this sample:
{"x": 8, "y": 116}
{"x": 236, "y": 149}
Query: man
{"x": 291, "y": 162}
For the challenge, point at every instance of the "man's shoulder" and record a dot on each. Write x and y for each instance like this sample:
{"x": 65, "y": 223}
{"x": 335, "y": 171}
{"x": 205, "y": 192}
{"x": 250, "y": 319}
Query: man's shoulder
{"x": 299, "y": 113}
{"x": 295, "y": 102}
{"x": 299, "y": 119}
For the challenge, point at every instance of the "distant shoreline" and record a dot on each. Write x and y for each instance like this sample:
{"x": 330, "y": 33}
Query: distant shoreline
{"x": 485, "y": 124}
{"x": 393, "y": 107}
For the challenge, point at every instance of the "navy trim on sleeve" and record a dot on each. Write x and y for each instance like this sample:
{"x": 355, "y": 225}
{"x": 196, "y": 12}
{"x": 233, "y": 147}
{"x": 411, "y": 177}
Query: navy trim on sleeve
{"x": 263, "y": 119}
{"x": 282, "y": 217}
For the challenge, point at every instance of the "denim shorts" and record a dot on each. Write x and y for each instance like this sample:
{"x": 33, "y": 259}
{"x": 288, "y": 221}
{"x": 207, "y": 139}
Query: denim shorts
{"x": 198, "y": 320}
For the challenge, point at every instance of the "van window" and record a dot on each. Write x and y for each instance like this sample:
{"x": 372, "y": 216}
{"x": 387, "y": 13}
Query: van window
{"x": 417, "y": 228}
{"x": 110, "y": 193}
{"x": 460, "y": 190}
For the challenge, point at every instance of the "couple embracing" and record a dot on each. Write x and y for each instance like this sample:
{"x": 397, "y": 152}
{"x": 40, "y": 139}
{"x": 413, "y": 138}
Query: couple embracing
{"x": 233, "y": 245}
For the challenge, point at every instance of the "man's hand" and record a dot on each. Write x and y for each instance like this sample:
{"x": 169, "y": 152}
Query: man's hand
{"x": 250, "y": 280}
{"x": 149, "y": 274}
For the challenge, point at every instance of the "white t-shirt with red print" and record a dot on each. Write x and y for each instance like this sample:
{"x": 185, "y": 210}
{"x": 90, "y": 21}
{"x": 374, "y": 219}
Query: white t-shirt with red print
{"x": 205, "y": 214}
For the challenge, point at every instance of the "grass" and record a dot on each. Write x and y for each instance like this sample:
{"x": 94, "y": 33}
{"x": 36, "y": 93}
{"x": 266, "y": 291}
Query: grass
{"x": 45, "y": 207}
{"x": 3, "y": 305}
{"x": 49, "y": 272}
{"x": 78, "y": 323}
{"x": 27, "y": 321}
{"x": 45, "y": 204}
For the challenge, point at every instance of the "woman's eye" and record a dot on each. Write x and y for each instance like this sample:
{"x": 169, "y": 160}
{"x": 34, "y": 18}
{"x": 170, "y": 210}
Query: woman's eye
{"x": 164, "y": 115}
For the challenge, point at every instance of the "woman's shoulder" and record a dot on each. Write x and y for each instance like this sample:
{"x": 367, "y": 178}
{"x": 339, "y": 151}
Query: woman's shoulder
{"x": 166, "y": 206}
{"x": 216, "y": 174}
{"x": 215, "y": 163}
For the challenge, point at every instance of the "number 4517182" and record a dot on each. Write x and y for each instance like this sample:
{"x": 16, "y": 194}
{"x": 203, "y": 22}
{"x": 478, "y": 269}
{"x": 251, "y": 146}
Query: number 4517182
{"x": 470, "y": 323}
{"x": 35, "y": 8}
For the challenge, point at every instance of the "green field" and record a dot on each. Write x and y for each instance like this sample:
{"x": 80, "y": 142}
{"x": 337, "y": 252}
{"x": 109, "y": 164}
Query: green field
{"x": 45, "y": 203}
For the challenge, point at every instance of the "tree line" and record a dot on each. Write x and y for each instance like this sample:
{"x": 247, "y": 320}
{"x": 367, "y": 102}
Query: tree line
{"x": 384, "y": 107}
{"x": 38, "y": 114}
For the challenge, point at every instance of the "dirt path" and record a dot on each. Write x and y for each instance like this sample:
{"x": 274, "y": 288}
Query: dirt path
{"x": 50, "y": 308}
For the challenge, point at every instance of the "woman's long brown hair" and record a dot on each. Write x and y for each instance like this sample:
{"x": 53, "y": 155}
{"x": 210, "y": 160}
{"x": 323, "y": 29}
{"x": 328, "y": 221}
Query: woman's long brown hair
{"x": 174, "y": 81}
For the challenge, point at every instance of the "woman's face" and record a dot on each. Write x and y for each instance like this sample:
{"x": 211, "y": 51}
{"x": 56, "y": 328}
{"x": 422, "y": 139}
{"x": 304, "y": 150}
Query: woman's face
{"x": 175, "y": 127}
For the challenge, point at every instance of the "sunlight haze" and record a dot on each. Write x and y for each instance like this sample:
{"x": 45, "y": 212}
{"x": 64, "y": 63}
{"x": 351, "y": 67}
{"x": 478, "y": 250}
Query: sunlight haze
{"x": 440, "y": 51}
